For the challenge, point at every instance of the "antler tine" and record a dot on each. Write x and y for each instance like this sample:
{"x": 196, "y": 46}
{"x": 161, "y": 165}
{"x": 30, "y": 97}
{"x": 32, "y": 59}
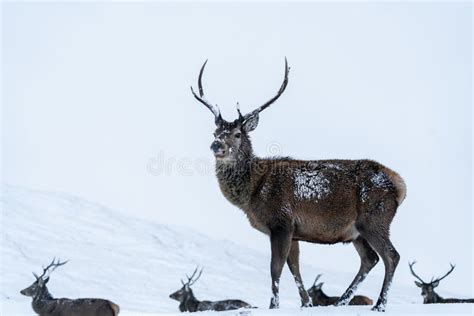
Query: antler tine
{"x": 47, "y": 268}
{"x": 413, "y": 272}
{"x": 201, "y": 91}
{"x": 202, "y": 99}
{"x": 450, "y": 270}
{"x": 197, "y": 278}
{"x": 238, "y": 111}
{"x": 317, "y": 278}
{"x": 53, "y": 265}
{"x": 280, "y": 91}
{"x": 192, "y": 275}
{"x": 59, "y": 263}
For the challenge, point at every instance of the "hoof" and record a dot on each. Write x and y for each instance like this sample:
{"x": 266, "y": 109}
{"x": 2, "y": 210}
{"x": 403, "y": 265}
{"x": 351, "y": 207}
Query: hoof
{"x": 378, "y": 308}
{"x": 307, "y": 304}
{"x": 274, "y": 303}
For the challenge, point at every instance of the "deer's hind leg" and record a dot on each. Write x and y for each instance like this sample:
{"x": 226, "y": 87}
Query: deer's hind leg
{"x": 376, "y": 230}
{"x": 368, "y": 260}
{"x": 294, "y": 265}
{"x": 390, "y": 257}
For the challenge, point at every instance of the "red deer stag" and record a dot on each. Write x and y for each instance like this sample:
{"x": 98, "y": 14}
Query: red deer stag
{"x": 319, "y": 298}
{"x": 320, "y": 201}
{"x": 428, "y": 293}
{"x": 189, "y": 303}
{"x": 45, "y": 305}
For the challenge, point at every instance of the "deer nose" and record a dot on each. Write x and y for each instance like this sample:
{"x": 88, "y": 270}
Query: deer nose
{"x": 216, "y": 145}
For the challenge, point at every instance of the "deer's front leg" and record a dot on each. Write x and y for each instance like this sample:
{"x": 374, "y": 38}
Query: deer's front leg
{"x": 294, "y": 265}
{"x": 280, "y": 240}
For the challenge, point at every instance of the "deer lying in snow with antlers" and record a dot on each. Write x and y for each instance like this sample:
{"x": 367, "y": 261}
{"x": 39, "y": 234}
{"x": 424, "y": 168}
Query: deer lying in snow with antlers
{"x": 319, "y": 298}
{"x": 189, "y": 303}
{"x": 319, "y": 201}
{"x": 45, "y": 305}
{"x": 427, "y": 289}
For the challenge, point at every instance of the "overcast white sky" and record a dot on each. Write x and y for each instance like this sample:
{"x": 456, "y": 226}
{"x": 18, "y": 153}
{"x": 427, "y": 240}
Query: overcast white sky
{"x": 96, "y": 101}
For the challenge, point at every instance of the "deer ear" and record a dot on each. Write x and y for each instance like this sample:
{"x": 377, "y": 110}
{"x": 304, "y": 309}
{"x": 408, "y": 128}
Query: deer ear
{"x": 319, "y": 286}
{"x": 435, "y": 284}
{"x": 186, "y": 287}
{"x": 46, "y": 280}
{"x": 418, "y": 284}
{"x": 250, "y": 123}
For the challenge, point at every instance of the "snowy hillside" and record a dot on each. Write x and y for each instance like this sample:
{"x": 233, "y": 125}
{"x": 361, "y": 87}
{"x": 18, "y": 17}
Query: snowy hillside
{"x": 137, "y": 264}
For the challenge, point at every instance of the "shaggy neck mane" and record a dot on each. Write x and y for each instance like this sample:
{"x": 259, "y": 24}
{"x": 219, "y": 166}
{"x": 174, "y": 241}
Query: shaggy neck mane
{"x": 433, "y": 298}
{"x": 43, "y": 295}
{"x": 42, "y": 300}
{"x": 234, "y": 176}
{"x": 189, "y": 304}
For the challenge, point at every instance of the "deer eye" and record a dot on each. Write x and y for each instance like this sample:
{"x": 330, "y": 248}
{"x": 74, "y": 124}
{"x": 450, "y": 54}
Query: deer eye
{"x": 237, "y": 135}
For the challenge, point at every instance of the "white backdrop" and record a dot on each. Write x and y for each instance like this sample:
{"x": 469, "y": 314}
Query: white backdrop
{"x": 96, "y": 102}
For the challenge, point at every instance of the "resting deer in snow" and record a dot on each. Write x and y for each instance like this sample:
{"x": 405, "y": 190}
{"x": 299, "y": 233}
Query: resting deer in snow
{"x": 319, "y": 201}
{"x": 319, "y": 298}
{"x": 45, "y": 305}
{"x": 428, "y": 293}
{"x": 189, "y": 303}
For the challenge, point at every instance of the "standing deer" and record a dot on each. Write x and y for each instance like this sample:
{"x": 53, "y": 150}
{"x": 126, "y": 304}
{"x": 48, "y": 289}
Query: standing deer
{"x": 189, "y": 303}
{"x": 428, "y": 293}
{"x": 45, "y": 305}
{"x": 321, "y": 201}
{"x": 319, "y": 298}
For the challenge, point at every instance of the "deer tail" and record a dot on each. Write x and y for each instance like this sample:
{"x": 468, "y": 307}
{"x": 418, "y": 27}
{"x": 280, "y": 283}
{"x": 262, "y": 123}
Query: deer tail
{"x": 115, "y": 308}
{"x": 399, "y": 183}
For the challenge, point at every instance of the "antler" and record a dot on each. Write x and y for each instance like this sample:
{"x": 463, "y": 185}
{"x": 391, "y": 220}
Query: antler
{"x": 450, "y": 270}
{"x": 191, "y": 279}
{"x": 53, "y": 265}
{"x": 202, "y": 99}
{"x": 413, "y": 272}
{"x": 269, "y": 102}
{"x": 242, "y": 118}
{"x": 317, "y": 278}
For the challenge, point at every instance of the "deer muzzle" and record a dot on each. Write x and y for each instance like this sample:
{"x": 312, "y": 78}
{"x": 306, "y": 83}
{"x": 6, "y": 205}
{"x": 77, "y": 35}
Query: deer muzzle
{"x": 218, "y": 149}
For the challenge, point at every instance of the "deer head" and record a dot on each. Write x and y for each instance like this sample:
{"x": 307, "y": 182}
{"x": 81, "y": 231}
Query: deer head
{"x": 185, "y": 290}
{"x": 313, "y": 290}
{"x": 427, "y": 289}
{"x": 231, "y": 138}
{"x": 39, "y": 286}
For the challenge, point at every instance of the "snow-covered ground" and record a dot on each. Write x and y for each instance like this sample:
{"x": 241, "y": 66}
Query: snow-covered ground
{"x": 137, "y": 264}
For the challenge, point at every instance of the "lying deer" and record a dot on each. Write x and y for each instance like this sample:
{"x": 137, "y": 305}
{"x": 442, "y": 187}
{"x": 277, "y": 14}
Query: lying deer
{"x": 319, "y": 298}
{"x": 189, "y": 303}
{"x": 45, "y": 305}
{"x": 318, "y": 201}
{"x": 428, "y": 293}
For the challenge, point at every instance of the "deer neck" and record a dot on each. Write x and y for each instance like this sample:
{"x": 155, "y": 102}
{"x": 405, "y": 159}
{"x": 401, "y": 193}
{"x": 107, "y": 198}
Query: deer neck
{"x": 42, "y": 301}
{"x": 433, "y": 298}
{"x": 235, "y": 176}
{"x": 189, "y": 304}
